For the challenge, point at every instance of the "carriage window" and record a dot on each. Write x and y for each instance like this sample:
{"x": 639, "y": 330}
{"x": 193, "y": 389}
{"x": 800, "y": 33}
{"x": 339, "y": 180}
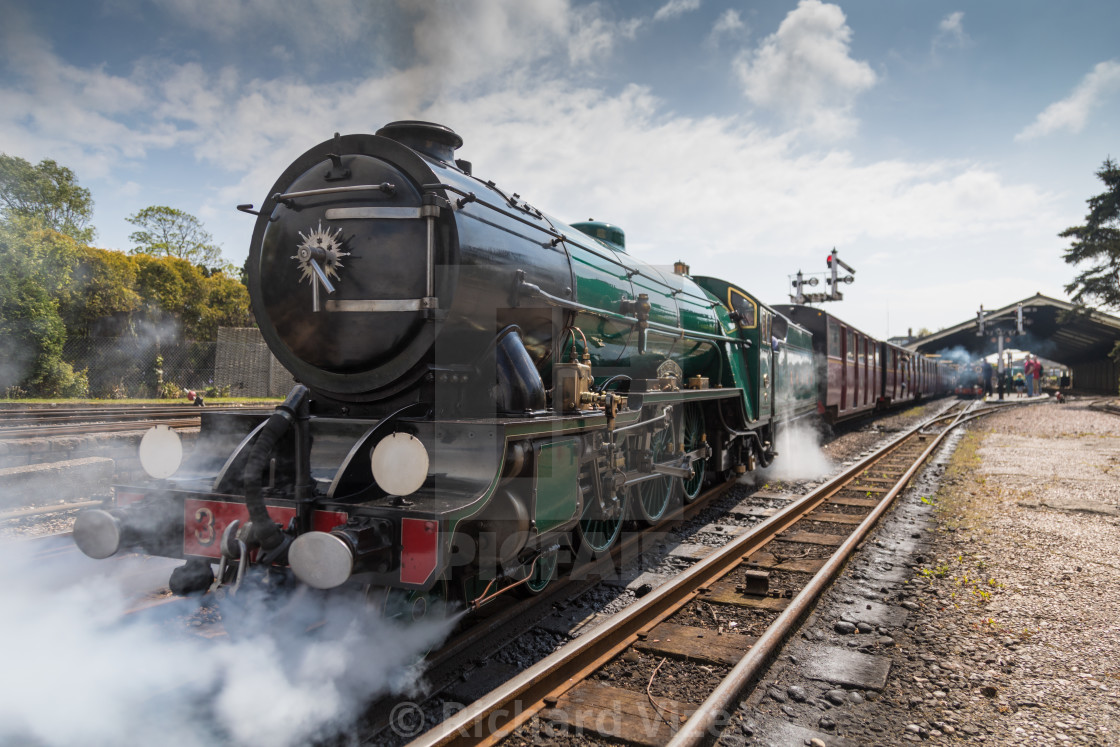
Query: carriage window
{"x": 851, "y": 347}
{"x": 862, "y": 351}
{"x": 833, "y": 339}
{"x": 780, "y": 326}
{"x": 745, "y": 307}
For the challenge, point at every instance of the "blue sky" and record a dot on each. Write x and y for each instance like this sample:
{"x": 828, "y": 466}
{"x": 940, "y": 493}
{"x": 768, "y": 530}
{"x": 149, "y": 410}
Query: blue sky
{"x": 940, "y": 147}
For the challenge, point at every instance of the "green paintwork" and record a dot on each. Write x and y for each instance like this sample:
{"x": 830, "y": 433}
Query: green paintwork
{"x": 605, "y": 278}
{"x": 556, "y": 492}
{"x": 750, "y": 374}
{"x": 604, "y": 231}
{"x": 795, "y": 383}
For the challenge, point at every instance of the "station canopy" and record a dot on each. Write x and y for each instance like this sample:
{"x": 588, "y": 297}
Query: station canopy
{"x": 1056, "y": 330}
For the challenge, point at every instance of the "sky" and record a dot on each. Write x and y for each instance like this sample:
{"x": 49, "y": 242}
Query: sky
{"x": 940, "y": 147}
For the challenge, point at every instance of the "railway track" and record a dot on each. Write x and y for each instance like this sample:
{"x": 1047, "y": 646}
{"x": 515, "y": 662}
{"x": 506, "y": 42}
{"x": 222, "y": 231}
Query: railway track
{"x": 45, "y": 414}
{"x": 505, "y": 619}
{"x": 50, "y": 546}
{"x": 721, "y": 621}
{"x": 45, "y": 422}
{"x": 143, "y": 579}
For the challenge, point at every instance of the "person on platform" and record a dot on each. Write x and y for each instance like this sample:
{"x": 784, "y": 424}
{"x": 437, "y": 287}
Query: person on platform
{"x": 986, "y": 377}
{"x": 1033, "y": 371}
{"x": 1020, "y": 383}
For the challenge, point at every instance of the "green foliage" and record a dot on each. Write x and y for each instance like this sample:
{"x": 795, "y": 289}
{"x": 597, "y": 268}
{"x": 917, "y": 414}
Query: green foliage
{"x": 47, "y": 191}
{"x": 167, "y": 232}
{"x": 169, "y": 390}
{"x": 114, "y": 294}
{"x": 1097, "y": 243}
{"x": 227, "y": 305}
{"x": 35, "y": 268}
{"x": 54, "y": 287}
{"x": 102, "y": 297}
{"x": 218, "y": 391}
{"x": 61, "y": 380}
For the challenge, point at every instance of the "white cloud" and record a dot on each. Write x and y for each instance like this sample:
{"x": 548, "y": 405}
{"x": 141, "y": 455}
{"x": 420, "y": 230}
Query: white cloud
{"x": 805, "y": 72}
{"x": 1071, "y": 113}
{"x": 303, "y": 25}
{"x": 950, "y": 32}
{"x": 675, "y": 8}
{"x": 81, "y": 116}
{"x": 729, "y": 20}
{"x": 740, "y": 200}
{"x": 729, "y": 23}
{"x": 592, "y": 35}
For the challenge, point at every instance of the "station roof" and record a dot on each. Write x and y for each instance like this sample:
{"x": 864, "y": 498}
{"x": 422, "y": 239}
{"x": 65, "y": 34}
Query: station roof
{"x": 1057, "y": 330}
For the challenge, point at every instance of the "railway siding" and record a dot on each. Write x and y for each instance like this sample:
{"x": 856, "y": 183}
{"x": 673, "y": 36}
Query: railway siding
{"x": 121, "y": 448}
{"x": 55, "y": 482}
{"x": 1002, "y": 596}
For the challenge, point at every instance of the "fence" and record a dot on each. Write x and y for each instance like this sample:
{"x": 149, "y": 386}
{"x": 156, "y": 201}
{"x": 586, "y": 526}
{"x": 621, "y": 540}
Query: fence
{"x": 120, "y": 367}
{"x": 238, "y": 364}
{"x": 246, "y": 365}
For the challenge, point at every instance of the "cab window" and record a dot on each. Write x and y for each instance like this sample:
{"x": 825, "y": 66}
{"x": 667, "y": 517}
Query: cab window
{"x": 744, "y": 307}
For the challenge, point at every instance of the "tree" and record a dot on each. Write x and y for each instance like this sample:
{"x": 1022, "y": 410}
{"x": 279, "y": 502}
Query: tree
{"x": 47, "y": 191}
{"x": 1098, "y": 243}
{"x": 227, "y": 305}
{"x": 102, "y": 297}
{"x": 167, "y": 232}
{"x": 37, "y": 264}
{"x": 172, "y": 295}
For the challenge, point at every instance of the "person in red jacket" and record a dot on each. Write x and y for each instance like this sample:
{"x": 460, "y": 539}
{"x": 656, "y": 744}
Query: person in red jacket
{"x": 1032, "y": 369}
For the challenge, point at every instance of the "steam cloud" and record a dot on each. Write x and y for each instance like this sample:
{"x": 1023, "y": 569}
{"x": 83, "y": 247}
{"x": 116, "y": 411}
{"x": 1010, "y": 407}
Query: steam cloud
{"x": 76, "y": 673}
{"x": 799, "y": 455}
{"x": 956, "y": 354}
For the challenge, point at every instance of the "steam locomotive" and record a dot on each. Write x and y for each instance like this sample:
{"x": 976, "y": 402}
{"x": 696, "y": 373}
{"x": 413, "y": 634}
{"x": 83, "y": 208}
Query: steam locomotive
{"x": 484, "y": 391}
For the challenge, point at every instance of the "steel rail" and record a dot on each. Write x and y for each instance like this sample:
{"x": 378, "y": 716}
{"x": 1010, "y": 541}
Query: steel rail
{"x": 703, "y": 725}
{"x": 42, "y": 431}
{"x": 584, "y": 577}
{"x": 98, "y": 412}
{"x": 497, "y": 714}
{"x": 23, "y": 513}
{"x": 44, "y": 546}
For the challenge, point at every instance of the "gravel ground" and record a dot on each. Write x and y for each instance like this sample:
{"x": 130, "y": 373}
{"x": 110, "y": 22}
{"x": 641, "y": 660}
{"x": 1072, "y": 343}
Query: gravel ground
{"x": 1031, "y": 519}
{"x": 1011, "y": 596}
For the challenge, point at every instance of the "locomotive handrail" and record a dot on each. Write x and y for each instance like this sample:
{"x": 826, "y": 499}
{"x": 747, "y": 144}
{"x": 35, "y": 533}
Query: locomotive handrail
{"x": 287, "y": 197}
{"x": 469, "y": 197}
{"x": 564, "y": 303}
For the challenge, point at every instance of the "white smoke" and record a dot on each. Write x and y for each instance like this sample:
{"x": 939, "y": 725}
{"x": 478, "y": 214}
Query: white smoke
{"x": 956, "y": 354}
{"x": 799, "y": 455}
{"x": 77, "y": 672}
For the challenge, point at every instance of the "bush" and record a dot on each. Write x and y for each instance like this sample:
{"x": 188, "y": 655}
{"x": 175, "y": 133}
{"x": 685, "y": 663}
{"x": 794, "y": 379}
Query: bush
{"x": 59, "y": 379}
{"x": 218, "y": 391}
{"x": 170, "y": 390}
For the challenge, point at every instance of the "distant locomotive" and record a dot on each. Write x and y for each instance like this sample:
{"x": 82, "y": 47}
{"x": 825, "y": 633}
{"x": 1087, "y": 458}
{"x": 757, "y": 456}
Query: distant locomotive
{"x": 483, "y": 387}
